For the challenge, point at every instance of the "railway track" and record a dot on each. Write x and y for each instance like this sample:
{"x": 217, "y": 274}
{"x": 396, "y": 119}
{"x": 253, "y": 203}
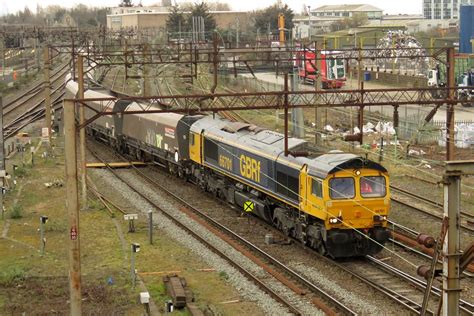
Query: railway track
{"x": 435, "y": 211}
{"x": 405, "y": 238}
{"x": 232, "y": 237}
{"x": 36, "y": 111}
{"x": 33, "y": 91}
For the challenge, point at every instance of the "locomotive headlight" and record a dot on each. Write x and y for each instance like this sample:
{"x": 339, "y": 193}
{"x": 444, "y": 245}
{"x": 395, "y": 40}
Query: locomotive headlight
{"x": 380, "y": 218}
{"x": 357, "y": 172}
{"x": 333, "y": 220}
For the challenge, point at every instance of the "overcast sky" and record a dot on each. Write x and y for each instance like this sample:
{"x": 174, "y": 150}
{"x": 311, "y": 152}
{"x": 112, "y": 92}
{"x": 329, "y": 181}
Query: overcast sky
{"x": 389, "y": 6}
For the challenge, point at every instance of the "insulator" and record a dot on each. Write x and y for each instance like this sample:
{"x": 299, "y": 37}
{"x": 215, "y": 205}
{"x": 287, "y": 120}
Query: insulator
{"x": 425, "y": 240}
{"x": 424, "y": 271}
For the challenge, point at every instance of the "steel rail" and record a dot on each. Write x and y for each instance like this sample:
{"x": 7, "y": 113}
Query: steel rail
{"x": 250, "y": 245}
{"x": 463, "y": 305}
{"x": 433, "y": 215}
{"x": 31, "y": 92}
{"x": 428, "y": 201}
{"x": 244, "y": 271}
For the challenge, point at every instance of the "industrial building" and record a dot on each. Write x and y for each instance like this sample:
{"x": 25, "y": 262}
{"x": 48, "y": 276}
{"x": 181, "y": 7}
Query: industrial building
{"x": 443, "y": 9}
{"x": 347, "y": 11}
{"x": 156, "y": 17}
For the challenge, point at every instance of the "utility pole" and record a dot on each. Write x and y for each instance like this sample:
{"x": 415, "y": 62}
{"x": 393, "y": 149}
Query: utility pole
{"x": 47, "y": 92}
{"x": 450, "y": 111}
{"x": 2, "y": 156}
{"x": 317, "y": 87}
{"x": 451, "y": 249}
{"x": 82, "y": 132}
{"x": 237, "y": 38}
{"x": 147, "y": 58}
{"x": 72, "y": 206}
{"x": 2, "y": 44}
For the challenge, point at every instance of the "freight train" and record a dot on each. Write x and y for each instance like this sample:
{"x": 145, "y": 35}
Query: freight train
{"x": 336, "y": 203}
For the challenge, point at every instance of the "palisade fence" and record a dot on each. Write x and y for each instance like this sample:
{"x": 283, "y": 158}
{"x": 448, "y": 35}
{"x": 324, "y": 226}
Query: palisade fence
{"x": 411, "y": 127}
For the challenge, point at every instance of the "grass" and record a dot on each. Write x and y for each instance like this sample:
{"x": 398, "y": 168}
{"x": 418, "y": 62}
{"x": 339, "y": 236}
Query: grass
{"x": 16, "y": 212}
{"x": 11, "y": 275}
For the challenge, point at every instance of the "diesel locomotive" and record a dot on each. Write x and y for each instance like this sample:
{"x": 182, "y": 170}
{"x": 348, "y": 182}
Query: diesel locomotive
{"x": 336, "y": 203}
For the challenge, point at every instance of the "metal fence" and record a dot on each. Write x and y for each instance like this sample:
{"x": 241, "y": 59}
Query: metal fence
{"x": 414, "y": 128}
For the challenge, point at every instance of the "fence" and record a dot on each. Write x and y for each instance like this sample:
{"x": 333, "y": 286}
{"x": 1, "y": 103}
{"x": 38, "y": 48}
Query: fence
{"x": 414, "y": 128}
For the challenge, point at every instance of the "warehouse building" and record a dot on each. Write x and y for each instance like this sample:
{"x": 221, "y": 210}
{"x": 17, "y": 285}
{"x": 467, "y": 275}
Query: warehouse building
{"x": 155, "y": 17}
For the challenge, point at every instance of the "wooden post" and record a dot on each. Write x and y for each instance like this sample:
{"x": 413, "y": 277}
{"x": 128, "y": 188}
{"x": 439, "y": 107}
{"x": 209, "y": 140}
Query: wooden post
{"x": 72, "y": 206}
{"x": 47, "y": 92}
{"x": 82, "y": 132}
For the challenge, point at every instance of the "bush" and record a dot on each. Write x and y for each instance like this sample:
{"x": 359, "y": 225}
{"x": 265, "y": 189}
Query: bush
{"x": 11, "y": 275}
{"x": 21, "y": 172}
{"x": 16, "y": 212}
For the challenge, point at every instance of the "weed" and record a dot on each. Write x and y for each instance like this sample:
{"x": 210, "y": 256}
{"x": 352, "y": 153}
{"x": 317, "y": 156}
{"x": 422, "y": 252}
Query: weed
{"x": 21, "y": 172}
{"x": 16, "y": 212}
{"x": 11, "y": 275}
{"x": 55, "y": 226}
{"x": 224, "y": 275}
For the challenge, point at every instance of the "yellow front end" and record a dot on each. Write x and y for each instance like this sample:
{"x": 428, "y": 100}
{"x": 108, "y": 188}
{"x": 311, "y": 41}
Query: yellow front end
{"x": 348, "y": 199}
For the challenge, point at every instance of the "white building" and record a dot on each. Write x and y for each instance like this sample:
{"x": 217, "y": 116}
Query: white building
{"x": 443, "y": 9}
{"x": 347, "y": 11}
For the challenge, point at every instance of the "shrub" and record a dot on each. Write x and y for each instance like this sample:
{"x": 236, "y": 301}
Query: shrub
{"x": 16, "y": 212}
{"x": 11, "y": 275}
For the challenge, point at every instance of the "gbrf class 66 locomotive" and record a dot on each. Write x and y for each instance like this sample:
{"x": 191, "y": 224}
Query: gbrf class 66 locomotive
{"x": 336, "y": 203}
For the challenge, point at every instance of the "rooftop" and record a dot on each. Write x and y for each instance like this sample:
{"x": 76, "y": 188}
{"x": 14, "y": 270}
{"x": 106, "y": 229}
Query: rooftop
{"x": 347, "y": 7}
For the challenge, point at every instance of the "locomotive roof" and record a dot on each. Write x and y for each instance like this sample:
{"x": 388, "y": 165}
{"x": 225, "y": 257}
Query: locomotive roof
{"x": 324, "y": 165}
{"x": 245, "y": 135}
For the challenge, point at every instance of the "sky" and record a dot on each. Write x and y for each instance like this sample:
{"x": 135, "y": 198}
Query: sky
{"x": 390, "y": 7}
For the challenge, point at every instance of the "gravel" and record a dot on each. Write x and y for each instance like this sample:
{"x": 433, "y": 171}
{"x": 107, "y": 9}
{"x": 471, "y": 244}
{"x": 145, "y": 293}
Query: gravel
{"x": 247, "y": 289}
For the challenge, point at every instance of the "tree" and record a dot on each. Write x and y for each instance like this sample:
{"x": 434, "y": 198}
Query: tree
{"x": 176, "y": 21}
{"x": 269, "y": 17}
{"x": 202, "y": 10}
{"x": 126, "y": 3}
{"x": 347, "y": 23}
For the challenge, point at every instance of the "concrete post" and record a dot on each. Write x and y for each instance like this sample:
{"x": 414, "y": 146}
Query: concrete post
{"x": 451, "y": 84}
{"x": 451, "y": 281}
{"x": 82, "y": 132}
{"x": 132, "y": 266}
{"x": 296, "y": 113}
{"x": 318, "y": 87}
{"x": 47, "y": 92}
{"x": 72, "y": 206}
{"x": 2, "y": 54}
{"x": 150, "y": 226}
{"x": 42, "y": 243}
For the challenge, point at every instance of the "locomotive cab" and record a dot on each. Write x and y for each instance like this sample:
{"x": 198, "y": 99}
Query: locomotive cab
{"x": 350, "y": 198}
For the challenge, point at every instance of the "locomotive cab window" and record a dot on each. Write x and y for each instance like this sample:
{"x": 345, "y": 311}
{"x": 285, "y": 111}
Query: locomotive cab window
{"x": 372, "y": 187}
{"x": 317, "y": 188}
{"x": 191, "y": 140}
{"x": 341, "y": 188}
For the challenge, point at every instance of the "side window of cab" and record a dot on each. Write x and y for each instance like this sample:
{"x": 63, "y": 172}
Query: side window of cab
{"x": 317, "y": 188}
